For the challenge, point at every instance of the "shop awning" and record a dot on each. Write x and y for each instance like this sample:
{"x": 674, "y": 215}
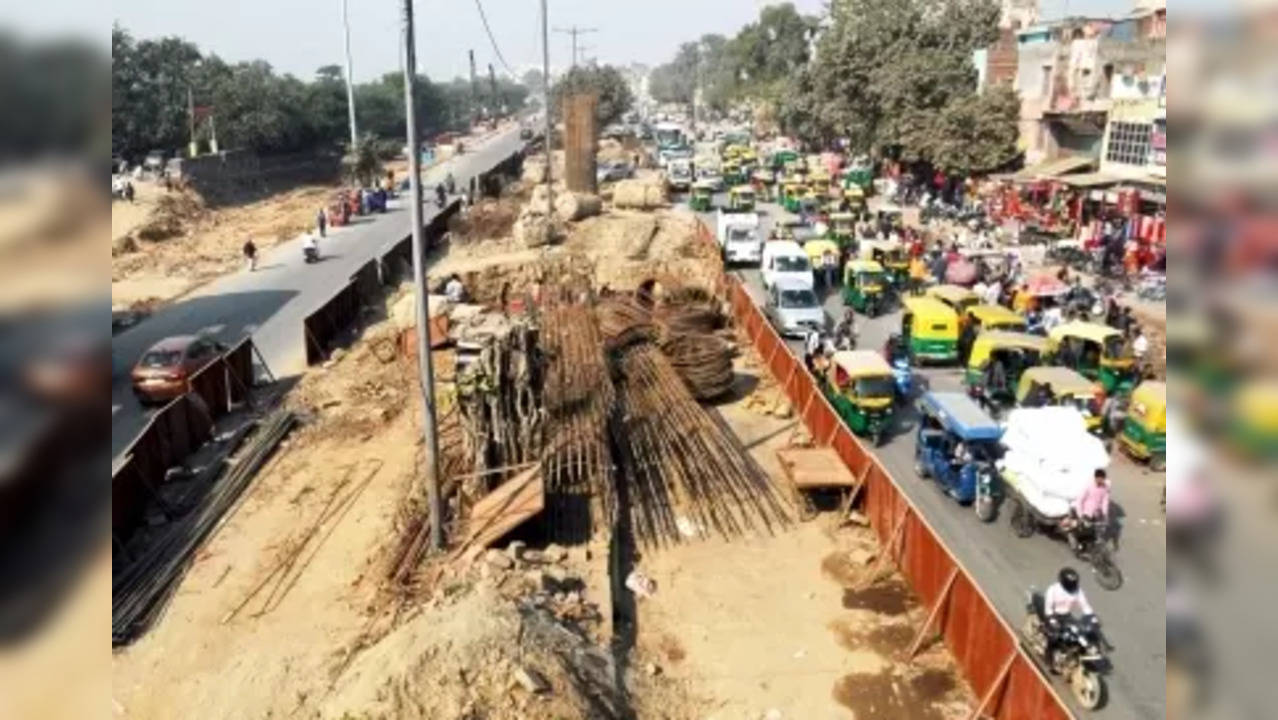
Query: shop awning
{"x": 1090, "y": 180}
{"x": 1055, "y": 168}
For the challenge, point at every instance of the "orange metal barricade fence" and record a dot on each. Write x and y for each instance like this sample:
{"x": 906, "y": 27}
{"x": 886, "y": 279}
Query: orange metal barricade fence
{"x": 1009, "y": 686}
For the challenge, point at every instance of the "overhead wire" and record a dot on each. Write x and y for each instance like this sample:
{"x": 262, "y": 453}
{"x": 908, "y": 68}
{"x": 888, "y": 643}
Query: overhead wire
{"x": 496, "y": 50}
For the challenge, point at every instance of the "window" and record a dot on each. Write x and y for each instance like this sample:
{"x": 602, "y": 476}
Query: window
{"x": 1128, "y": 143}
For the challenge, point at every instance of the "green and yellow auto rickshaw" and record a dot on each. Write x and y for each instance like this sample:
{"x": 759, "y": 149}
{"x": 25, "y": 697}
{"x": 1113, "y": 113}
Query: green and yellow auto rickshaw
{"x": 819, "y": 177}
{"x": 823, "y": 253}
{"x": 1253, "y": 419}
{"x": 860, "y": 386}
{"x": 1097, "y": 351}
{"x": 741, "y": 199}
{"x": 732, "y": 175}
{"x": 1016, "y": 351}
{"x": 1144, "y": 434}
{"x": 1056, "y": 385}
{"x": 701, "y": 199}
{"x": 854, "y": 198}
{"x": 957, "y": 297}
{"x": 792, "y": 194}
{"x": 865, "y": 286}
{"x": 842, "y": 228}
{"x": 993, "y": 317}
{"x": 892, "y": 255}
{"x": 930, "y": 329}
{"x": 782, "y": 158}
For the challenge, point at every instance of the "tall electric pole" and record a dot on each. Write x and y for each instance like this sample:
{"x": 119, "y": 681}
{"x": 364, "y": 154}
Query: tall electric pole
{"x": 474, "y": 90}
{"x": 419, "y": 275}
{"x": 492, "y": 83}
{"x": 545, "y": 99}
{"x": 574, "y": 31}
{"x": 350, "y": 82}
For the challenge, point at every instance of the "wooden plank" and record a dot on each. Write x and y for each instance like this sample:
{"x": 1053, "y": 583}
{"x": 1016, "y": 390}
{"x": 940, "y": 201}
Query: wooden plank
{"x": 816, "y": 467}
{"x": 504, "y": 509}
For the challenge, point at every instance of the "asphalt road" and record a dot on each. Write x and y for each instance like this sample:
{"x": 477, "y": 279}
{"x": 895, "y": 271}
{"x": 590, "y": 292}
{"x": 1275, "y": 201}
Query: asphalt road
{"x": 1134, "y": 616}
{"x": 269, "y": 304}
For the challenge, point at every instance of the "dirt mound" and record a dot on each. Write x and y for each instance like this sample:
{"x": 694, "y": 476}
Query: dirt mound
{"x": 487, "y": 219}
{"x": 173, "y": 214}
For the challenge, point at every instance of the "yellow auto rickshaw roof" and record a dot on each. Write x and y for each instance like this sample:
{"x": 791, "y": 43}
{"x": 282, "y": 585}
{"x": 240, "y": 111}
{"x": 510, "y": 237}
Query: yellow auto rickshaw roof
{"x": 1152, "y": 395}
{"x": 1255, "y": 404}
{"x": 888, "y": 245}
{"x": 742, "y": 190}
{"x": 861, "y": 363}
{"x": 854, "y": 190}
{"x": 842, "y": 216}
{"x": 1094, "y": 332}
{"x": 1063, "y": 380}
{"x": 987, "y": 313}
{"x": 930, "y": 307}
{"x": 1007, "y": 338}
{"x": 864, "y": 266}
{"x": 952, "y": 293}
{"x": 817, "y": 247}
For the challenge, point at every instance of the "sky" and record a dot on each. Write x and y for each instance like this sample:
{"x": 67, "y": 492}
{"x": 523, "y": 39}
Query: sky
{"x": 298, "y": 36}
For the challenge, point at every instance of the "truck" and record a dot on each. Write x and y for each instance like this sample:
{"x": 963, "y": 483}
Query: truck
{"x": 679, "y": 175}
{"x": 739, "y": 238}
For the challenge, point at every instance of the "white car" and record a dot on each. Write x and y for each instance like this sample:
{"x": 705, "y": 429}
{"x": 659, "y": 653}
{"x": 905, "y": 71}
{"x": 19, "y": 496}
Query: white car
{"x": 784, "y": 261}
{"x": 739, "y": 237}
{"x": 794, "y": 309}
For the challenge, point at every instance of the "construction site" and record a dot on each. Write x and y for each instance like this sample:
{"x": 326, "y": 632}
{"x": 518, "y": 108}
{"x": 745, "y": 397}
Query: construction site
{"x": 622, "y": 524}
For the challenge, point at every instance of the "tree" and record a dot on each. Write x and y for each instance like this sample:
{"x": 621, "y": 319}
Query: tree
{"x": 615, "y": 97}
{"x": 975, "y": 132}
{"x": 363, "y": 163}
{"x": 884, "y": 73}
{"x": 532, "y": 81}
{"x": 766, "y": 54}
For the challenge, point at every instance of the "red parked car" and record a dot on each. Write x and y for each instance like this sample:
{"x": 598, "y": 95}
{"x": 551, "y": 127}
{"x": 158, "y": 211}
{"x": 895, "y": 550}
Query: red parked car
{"x": 165, "y": 370}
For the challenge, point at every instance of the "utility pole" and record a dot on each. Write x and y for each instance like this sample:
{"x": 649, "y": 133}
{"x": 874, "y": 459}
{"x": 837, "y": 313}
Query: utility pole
{"x": 350, "y": 82}
{"x": 492, "y": 82}
{"x": 574, "y": 31}
{"x": 545, "y": 99}
{"x": 474, "y": 90}
{"x": 419, "y": 274}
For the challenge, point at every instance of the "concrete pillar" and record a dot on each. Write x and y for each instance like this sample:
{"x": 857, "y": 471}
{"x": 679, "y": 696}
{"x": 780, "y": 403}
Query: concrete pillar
{"x": 579, "y": 142}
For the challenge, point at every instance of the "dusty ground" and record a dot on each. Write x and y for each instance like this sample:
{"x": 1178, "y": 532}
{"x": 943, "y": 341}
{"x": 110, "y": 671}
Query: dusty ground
{"x": 163, "y": 244}
{"x": 769, "y": 623}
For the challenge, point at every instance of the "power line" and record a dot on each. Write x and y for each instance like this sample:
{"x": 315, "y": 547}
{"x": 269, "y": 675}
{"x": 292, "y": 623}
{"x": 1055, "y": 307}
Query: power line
{"x": 496, "y": 50}
{"x": 574, "y": 31}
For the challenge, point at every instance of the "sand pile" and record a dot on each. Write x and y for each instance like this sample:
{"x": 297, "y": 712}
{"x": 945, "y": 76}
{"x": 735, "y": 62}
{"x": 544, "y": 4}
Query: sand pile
{"x": 630, "y": 248}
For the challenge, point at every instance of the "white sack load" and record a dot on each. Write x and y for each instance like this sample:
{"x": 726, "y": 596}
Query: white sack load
{"x": 1050, "y": 457}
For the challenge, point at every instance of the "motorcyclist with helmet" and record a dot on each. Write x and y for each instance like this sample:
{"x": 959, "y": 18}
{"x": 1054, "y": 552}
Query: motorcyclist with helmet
{"x": 1059, "y": 603}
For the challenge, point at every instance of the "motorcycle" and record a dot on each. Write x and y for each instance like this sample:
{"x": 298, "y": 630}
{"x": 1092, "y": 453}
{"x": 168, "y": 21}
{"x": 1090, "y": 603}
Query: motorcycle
{"x": 1080, "y": 654}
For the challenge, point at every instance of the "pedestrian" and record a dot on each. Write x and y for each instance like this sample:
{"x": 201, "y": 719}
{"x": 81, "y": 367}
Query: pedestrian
{"x": 811, "y": 347}
{"x": 250, "y": 254}
{"x": 1140, "y": 345}
{"x": 128, "y": 191}
{"x": 454, "y": 290}
{"x": 321, "y": 222}
{"x": 830, "y": 265}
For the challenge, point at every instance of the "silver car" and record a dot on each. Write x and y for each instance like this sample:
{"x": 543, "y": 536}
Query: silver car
{"x": 794, "y": 309}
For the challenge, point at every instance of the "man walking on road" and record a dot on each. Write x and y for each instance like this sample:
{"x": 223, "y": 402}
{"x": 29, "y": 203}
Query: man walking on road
{"x": 321, "y": 222}
{"x": 250, "y": 254}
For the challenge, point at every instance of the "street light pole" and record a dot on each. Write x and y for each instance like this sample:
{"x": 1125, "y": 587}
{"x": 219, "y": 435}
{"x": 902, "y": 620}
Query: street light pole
{"x": 350, "y": 82}
{"x": 420, "y": 290}
{"x": 545, "y": 89}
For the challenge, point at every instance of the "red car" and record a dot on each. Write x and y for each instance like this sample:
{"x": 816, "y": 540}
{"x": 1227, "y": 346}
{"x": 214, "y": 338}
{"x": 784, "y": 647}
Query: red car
{"x": 165, "y": 370}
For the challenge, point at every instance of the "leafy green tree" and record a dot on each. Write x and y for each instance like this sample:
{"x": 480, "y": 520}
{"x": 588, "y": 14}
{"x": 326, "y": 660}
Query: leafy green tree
{"x": 363, "y": 163}
{"x": 884, "y": 73}
{"x": 615, "y": 97}
{"x": 766, "y": 54}
{"x": 975, "y": 132}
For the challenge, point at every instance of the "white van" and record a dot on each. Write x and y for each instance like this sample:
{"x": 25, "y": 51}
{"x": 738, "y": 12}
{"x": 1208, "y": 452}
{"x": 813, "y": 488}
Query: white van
{"x": 739, "y": 237}
{"x": 785, "y": 260}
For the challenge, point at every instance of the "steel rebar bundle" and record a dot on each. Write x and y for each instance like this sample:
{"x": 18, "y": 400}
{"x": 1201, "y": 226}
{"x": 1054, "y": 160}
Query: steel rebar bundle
{"x": 140, "y": 592}
{"x": 703, "y": 361}
{"x": 686, "y": 474}
{"x": 623, "y": 321}
{"x": 579, "y": 394}
{"x": 499, "y": 399}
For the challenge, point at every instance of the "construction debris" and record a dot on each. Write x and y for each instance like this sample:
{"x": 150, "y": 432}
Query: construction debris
{"x": 139, "y": 592}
